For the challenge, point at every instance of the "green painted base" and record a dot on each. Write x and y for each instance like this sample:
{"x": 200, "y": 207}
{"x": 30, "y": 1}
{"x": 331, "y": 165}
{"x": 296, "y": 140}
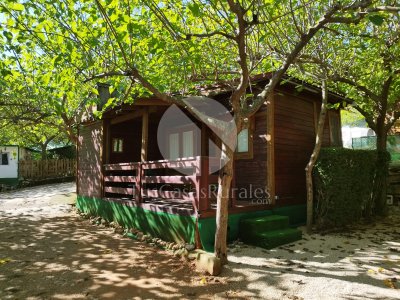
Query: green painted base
{"x": 166, "y": 226}
{"x": 9, "y": 181}
{"x": 172, "y": 227}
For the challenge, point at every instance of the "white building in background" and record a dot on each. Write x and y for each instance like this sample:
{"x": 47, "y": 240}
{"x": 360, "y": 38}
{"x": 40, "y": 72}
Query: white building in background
{"x": 9, "y": 157}
{"x": 9, "y": 162}
{"x": 348, "y": 133}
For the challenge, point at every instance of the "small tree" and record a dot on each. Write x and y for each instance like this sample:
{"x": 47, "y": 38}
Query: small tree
{"x": 363, "y": 65}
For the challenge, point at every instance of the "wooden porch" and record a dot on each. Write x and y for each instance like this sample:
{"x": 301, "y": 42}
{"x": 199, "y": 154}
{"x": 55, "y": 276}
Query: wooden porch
{"x": 138, "y": 174}
{"x": 184, "y": 186}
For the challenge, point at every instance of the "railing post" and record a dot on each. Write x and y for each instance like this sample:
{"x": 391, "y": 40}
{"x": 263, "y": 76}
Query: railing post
{"x": 203, "y": 184}
{"x": 138, "y": 184}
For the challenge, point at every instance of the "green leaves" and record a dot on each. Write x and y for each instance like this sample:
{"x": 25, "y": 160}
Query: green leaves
{"x": 195, "y": 9}
{"x": 376, "y": 19}
{"x": 5, "y": 72}
{"x": 8, "y": 35}
{"x": 16, "y": 6}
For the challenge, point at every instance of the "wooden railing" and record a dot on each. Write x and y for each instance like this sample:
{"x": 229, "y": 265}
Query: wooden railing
{"x": 186, "y": 180}
{"x": 122, "y": 180}
{"x": 46, "y": 169}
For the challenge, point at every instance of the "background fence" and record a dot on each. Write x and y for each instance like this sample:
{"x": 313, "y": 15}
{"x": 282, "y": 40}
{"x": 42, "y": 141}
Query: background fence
{"x": 45, "y": 169}
{"x": 369, "y": 143}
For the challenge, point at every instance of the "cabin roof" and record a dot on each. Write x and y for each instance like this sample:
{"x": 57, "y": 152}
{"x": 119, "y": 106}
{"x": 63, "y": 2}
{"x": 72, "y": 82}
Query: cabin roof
{"x": 218, "y": 90}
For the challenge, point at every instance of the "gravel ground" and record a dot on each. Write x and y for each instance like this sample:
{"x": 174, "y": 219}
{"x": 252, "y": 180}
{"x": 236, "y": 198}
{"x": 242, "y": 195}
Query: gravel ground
{"x": 48, "y": 252}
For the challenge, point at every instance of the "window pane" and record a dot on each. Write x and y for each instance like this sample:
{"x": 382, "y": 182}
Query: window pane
{"x": 174, "y": 146}
{"x": 4, "y": 159}
{"x": 118, "y": 145}
{"x": 187, "y": 144}
{"x": 243, "y": 141}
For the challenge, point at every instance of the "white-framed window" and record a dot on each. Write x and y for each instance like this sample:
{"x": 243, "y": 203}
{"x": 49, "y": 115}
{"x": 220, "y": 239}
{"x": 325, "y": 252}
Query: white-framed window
{"x": 173, "y": 145}
{"x": 187, "y": 144}
{"x": 242, "y": 145}
{"x": 182, "y": 144}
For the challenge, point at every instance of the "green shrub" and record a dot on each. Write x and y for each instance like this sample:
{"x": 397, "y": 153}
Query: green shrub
{"x": 344, "y": 183}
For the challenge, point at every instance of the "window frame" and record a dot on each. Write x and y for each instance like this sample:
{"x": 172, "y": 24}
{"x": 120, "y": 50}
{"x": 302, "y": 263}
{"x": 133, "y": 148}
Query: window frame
{"x": 249, "y": 154}
{"x": 180, "y": 131}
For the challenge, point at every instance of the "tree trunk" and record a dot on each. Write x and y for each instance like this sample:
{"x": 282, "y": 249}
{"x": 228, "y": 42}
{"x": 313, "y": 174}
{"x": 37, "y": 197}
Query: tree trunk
{"x": 43, "y": 151}
{"x": 224, "y": 184}
{"x": 381, "y": 170}
{"x": 314, "y": 157}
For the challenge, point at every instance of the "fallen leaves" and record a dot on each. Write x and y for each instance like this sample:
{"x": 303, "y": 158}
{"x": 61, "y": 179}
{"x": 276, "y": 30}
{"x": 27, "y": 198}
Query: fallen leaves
{"x": 381, "y": 270}
{"x": 4, "y": 260}
{"x": 390, "y": 283}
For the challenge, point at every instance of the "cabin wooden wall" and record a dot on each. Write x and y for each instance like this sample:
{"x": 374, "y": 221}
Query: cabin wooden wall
{"x": 253, "y": 172}
{"x": 296, "y": 118}
{"x": 89, "y": 160}
{"x": 153, "y": 152}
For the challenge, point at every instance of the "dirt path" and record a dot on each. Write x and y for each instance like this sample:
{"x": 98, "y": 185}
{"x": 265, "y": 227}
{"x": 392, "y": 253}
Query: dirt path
{"x": 48, "y": 252}
{"x": 54, "y": 254}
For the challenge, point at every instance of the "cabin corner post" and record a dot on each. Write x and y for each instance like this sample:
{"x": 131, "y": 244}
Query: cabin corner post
{"x": 202, "y": 184}
{"x": 138, "y": 183}
{"x": 140, "y": 175}
{"x": 105, "y": 151}
{"x": 271, "y": 147}
{"x": 145, "y": 135}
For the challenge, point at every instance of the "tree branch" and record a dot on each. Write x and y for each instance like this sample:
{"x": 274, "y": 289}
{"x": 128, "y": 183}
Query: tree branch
{"x": 107, "y": 74}
{"x": 359, "y": 87}
{"x": 211, "y": 34}
{"x": 368, "y": 117}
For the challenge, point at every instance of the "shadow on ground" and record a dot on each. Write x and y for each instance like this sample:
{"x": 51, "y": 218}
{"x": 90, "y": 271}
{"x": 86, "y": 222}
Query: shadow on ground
{"x": 68, "y": 258}
{"x": 49, "y": 252}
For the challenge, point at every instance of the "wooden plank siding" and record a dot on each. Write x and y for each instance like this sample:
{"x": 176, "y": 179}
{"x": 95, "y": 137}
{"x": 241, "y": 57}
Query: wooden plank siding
{"x": 295, "y": 128}
{"x": 89, "y": 158}
{"x": 253, "y": 172}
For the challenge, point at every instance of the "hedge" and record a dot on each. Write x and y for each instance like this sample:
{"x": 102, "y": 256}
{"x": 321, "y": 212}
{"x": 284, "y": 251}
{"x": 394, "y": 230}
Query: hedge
{"x": 343, "y": 182}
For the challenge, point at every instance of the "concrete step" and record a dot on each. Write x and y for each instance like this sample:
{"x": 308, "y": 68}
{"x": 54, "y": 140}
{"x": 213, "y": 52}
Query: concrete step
{"x": 276, "y": 238}
{"x": 252, "y": 226}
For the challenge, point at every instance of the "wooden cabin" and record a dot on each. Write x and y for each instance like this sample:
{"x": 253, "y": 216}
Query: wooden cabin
{"x": 122, "y": 175}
